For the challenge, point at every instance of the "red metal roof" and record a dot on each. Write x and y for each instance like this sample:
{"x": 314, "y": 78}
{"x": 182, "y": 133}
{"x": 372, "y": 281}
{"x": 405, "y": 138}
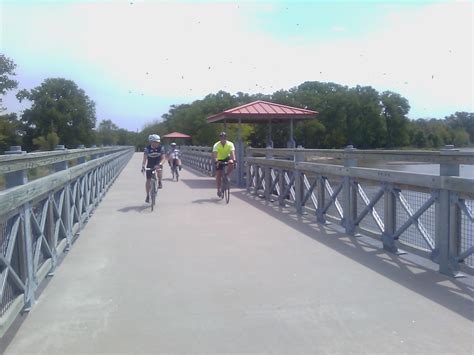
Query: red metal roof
{"x": 260, "y": 112}
{"x": 176, "y": 135}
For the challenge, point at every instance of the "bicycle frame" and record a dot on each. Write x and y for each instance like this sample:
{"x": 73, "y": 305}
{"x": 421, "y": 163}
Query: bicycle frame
{"x": 225, "y": 183}
{"x": 154, "y": 186}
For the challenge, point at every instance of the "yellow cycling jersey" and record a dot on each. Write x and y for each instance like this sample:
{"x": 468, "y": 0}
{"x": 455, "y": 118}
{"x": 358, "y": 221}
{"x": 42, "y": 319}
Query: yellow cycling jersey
{"x": 223, "y": 151}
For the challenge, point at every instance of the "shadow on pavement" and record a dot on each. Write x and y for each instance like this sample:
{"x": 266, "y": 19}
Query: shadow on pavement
{"x": 138, "y": 209}
{"x": 202, "y": 183}
{"x": 208, "y": 200}
{"x": 411, "y": 271}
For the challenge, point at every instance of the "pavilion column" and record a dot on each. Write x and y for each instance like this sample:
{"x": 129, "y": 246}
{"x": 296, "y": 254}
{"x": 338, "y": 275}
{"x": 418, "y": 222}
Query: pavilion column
{"x": 291, "y": 143}
{"x": 239, "y": 154}
{"x": 269, "y": 138}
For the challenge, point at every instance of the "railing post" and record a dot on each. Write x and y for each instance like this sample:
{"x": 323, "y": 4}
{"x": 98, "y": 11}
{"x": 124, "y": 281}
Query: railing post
{"x": 350, "y": 195}
{"x": 62, "y": 165}
{"x": 26, "y": 261}
{"x": 448, "y": 221}
{"x": 281, "y": 185}
{"x": 321, "y": 199}
{"x": 299, "y": 186}
{"x": 94, "y": 156}
{"x": 66, "y": 214}
{"x": 268, "y": 176}
{"x": 249, "y": 167}
{"x": 17, "y": 177}
{"x": 390, "y": 219}
{"x": 26, "y": 246}
{"x": 81, "y": 160}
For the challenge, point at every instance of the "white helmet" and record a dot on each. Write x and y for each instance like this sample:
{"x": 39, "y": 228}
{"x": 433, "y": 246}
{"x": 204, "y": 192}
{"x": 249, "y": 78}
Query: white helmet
{"x": 153, "y": 138}
{"x": 173, "y": 144}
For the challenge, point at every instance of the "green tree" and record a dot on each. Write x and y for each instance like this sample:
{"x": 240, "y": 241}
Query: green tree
{"x": 462, "y": 120}
{"x": 59, "y": 105}
{"x": 460, "y": 137}
{"x": 395, "y": 108}
{"x": 107, "y": 133}
{"x": 7, "y": 70}
{"x": 10, "y": 131}
{"x": 48, "y": 142}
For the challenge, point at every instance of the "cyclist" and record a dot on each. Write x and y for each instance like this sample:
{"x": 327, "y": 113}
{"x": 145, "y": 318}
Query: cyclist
{"x": 174, "y": 156}
{"x": 223, "y": 151}
{"x": 153, "y": 158}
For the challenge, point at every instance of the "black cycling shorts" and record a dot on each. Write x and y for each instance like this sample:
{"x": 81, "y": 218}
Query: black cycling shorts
{"x": 220, "y": 166}
{"x": 148, "y": 172}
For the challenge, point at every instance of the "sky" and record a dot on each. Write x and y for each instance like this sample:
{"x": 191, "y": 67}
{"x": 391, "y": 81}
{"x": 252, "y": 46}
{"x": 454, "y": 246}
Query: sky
{"x": 135, "y": 58}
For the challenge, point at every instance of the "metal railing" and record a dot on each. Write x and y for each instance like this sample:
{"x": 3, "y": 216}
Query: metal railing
{"x": 40, "y": 219}
{"x": 427, "y": 214}
{"x": 198, "y": 158}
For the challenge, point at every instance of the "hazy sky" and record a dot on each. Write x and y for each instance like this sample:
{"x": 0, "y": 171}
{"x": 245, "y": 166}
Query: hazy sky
{"x": 136, "y": 58}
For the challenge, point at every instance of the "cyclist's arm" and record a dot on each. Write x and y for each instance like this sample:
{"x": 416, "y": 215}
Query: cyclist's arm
{"x": 145, "y": 158}
{"x": 232, "y": 155}
{"x": 163, "y": 158}
{"x": 214, "y": 156}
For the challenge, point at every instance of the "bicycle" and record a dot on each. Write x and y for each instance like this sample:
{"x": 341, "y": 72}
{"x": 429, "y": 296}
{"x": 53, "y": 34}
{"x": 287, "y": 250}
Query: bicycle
{"x": 154, "y": 186}
{"x": 225, "y": 183}
{"x": 175, "y": 169}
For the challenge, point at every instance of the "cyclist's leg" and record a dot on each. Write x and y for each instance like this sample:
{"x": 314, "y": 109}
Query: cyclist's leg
{"x": 218, "y": 180}
{"x": 159, "y": 173}
{"x": 148, "y": 185}
{"x": 230, "y": 168}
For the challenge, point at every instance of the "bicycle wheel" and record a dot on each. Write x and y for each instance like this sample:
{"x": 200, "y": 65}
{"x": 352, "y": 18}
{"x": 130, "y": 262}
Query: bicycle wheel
{"x": 226, "y": 188}
{"x": 153, "y": 192}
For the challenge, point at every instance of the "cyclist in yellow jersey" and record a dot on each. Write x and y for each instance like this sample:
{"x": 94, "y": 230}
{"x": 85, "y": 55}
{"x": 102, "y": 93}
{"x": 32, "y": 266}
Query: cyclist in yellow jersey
{"x": 224, "y": 151}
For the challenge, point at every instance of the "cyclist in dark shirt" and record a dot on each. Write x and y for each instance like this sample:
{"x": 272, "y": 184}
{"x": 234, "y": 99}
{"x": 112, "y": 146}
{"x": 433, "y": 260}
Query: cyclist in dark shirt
{"x": 153, "y": 158}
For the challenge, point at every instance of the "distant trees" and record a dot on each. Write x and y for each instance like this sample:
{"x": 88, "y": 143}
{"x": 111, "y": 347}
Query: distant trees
{"x": 10, "y": 128}
{"x": 62, "y": 113}
{"x": 59, "y": 106}
{"x": 10, "y": 131}
{"x": 360, "y": 116}
{"x": 7, "y": 70}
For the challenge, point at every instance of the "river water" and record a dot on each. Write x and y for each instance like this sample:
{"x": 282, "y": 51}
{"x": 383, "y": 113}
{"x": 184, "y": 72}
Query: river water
{"x": 466, "y": 171}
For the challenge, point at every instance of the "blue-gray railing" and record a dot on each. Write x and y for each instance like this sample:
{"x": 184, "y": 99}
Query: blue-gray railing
{"x": 40, "y": 219}
{"x": 427, "y": 214}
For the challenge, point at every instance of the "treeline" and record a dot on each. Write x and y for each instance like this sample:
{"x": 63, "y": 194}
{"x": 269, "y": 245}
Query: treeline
{"x": 62, "y": 113}
{"x": 360, "y": 116}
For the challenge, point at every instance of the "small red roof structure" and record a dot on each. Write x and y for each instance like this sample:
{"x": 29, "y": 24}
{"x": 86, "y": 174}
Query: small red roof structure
{"x": 175, "y": 135}
{"x": 261, "y": 112}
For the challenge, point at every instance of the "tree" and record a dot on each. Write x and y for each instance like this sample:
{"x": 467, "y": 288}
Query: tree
{"x": 59, "y": 106}
{"x": 395, "y": 108}
{"x": 462, "y": 120}
{"x": 10, "y": 131}
{"x": 107, "y": 133}
{"x": 7, "y": 69}
{"x": 47, "y": 143}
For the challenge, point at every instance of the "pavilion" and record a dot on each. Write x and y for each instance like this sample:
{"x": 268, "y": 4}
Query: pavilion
{"x": 261, "y": 112}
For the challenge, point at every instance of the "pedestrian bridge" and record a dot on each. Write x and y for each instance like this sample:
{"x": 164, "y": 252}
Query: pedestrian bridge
{"x": 266, "y": 273}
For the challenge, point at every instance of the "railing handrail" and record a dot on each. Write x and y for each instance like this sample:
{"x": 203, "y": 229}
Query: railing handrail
{"x": 196, "y": 148}
{"x": 452, "y": 183}
{"x": 17, "y": 162}
{"x": 450, "y": 156}
{"x": 11, "y": 199}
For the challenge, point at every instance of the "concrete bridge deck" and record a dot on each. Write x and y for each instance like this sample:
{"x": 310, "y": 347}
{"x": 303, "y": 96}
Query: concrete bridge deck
{"x": 199, "y": 276}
